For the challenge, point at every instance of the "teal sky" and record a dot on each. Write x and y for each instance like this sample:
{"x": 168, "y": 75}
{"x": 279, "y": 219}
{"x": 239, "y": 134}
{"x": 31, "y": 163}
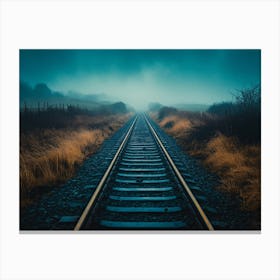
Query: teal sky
{"x": 142, "y": 76}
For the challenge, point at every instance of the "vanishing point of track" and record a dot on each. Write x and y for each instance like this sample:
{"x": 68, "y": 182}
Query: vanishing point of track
{"x": 143, "y": 189}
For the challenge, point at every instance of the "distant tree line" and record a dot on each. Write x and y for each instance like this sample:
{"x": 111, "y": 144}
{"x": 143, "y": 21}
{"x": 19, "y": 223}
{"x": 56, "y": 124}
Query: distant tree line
{"x": 48, "y": 116}
{"x": 241, "y": 118}
{"x": 246, "y": 101}
{"x": 61, "y": 116}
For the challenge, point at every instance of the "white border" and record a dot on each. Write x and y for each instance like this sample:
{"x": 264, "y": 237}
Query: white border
{"x": 153, "y": 24}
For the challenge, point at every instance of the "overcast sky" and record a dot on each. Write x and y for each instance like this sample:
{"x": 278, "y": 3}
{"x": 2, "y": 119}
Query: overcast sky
{"x": 138, "y": 77}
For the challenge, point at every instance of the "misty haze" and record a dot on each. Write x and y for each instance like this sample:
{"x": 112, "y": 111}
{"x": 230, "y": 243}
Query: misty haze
{"x": 138, "y": 77}
{"x": 140, "y": 139}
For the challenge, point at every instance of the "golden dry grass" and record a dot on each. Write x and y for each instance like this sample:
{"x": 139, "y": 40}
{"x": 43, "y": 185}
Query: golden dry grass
{"x": 45, "y": 163}
{"x": 238, "y": 165}
{"x": 175, "y": 124}
{"x": 49, "y": 157}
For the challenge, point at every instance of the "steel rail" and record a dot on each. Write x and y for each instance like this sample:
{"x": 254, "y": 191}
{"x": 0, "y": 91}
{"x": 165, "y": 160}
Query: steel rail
{"x": 181, "y": 179}
{"x": 87, "y": 209}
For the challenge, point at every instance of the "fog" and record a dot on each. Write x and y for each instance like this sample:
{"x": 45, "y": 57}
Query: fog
{"x": 143, "y": 76}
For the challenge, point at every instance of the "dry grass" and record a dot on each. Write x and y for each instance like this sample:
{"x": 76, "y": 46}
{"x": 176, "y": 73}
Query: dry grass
{"x": 238, "y": 165}
{"x": 51, "y": 156}
{"x": 56, "y": 160}
{"x": 175, "y": 124}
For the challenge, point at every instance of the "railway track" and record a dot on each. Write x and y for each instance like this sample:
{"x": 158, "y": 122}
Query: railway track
{"x": 143, "y": 188}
